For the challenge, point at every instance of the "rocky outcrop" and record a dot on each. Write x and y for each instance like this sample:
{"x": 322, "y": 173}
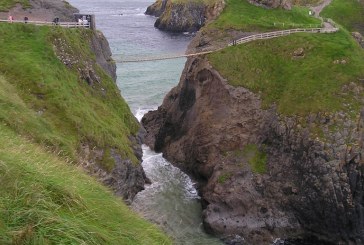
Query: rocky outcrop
{"x": 43, "y": 10}
{"x": 126, "y": 178}
{"x": 187, "y": 16}
{"x": 359, "y": 38}
{"x": 285, "y": 4}
{"x": 263, "y": 175}
{"x": 101, "y": 49}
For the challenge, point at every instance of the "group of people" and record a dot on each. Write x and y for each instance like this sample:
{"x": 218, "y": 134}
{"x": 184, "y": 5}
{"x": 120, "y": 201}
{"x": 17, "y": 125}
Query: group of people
{"x": 11, "y": 19}
{"x": 82, "y": 21}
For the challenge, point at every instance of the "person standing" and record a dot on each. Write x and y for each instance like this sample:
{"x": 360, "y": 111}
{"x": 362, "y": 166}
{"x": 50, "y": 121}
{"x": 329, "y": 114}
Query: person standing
{"x": 10, "y": 18}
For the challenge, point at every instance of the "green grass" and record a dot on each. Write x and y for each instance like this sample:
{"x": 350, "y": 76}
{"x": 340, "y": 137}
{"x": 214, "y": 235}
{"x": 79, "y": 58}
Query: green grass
{"x": 223, "y": 178}
{"x": 298, "y": 86}
{"x": 46, "y": 101}
{"x": 257, "y": 159}
{"x": 241, "y": 15}
{"x": 306, "y": 2}
{"x": 348, "y": 13}
{"x": 5, "y": 5}
{"x": 43, "y": 200}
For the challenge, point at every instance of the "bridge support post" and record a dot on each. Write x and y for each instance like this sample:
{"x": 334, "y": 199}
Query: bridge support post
{"x": 92, "y": 22}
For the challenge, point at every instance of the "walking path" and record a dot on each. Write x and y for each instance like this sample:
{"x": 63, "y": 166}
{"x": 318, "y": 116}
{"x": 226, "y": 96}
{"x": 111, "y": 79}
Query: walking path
{"x": 47, "y": 23}
{"x": 317, "y": 9}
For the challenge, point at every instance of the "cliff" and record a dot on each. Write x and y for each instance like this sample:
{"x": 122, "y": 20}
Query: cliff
{"x": 61, "y": 113}
{"x": 277, "y": 152}
{"x": 115, "y": 164}
{"x": 187, "y": 16}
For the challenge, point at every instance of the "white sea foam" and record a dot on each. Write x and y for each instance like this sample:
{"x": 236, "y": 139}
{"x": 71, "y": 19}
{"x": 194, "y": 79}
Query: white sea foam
{"x": 141, "y": 111}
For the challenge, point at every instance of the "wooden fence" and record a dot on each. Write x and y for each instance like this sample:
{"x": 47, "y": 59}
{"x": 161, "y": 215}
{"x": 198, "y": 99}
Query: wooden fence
{"x": 47, "y": 23}
{"x": 268, "y": 35}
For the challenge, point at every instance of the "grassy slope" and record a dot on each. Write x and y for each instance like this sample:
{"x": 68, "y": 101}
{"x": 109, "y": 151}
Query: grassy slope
{"x": 60, "y": 110}
{"x": 42, "y": 199}
{"x": 241, "y": 15}
{"x": 45, "y": 201}
{"x": 7, "y": 4}
{"x": 298, "y": 86}
{"x": 349, "y": 13}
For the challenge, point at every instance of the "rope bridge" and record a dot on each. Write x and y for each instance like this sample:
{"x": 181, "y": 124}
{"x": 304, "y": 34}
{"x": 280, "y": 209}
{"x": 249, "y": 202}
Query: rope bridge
{"x": 260, "y": 36}
{"x": 267, "y": 35}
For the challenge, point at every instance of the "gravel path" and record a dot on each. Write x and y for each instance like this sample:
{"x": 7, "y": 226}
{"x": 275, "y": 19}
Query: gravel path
{"x": 317, "y": 9}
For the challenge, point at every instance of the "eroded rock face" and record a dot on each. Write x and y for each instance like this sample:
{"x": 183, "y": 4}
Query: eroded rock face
{"x": 359, "y": 38}
{"x": 101, "y": 49}
{"x": 311, "y": 184}
{"x": 125, "y": 178}
{"x": 183, "y": 17}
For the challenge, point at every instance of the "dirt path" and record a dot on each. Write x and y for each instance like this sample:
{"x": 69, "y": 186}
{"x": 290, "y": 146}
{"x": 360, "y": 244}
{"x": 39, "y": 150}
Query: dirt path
{"x": 317, "y": 9}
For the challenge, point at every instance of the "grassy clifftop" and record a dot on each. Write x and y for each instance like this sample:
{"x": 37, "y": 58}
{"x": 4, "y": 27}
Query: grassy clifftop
{"x": 349, "y": 13}
{"x": 300, "y": 73}
{"x": 241, "y": 15}
{"x": 48, "y": 107}
{"x": 7, "y": 4}
{"x": 56, "y": 107}
{"x": 43, "y": 200}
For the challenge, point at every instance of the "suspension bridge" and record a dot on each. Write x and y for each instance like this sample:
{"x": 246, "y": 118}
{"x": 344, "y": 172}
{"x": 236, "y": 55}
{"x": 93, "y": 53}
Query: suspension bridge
{"x": 260, "y": 36}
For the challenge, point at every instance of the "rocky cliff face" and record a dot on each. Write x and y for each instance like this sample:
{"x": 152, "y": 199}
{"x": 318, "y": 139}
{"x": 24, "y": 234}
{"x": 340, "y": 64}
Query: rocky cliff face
{"x": 189, "y": 16}
{"x": 263, "y": 175}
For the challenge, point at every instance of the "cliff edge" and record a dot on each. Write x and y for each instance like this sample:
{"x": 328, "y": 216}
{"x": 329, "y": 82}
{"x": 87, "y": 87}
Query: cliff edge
{"x": 114, "y": 158}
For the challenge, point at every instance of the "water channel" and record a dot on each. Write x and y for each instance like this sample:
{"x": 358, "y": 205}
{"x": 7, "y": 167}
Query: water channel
{"x": 171, "y": 201}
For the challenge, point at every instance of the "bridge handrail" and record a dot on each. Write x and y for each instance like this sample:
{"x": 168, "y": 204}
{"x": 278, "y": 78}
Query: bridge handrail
{"x": 268, "y": 35}
{"x": 48, "y": 23}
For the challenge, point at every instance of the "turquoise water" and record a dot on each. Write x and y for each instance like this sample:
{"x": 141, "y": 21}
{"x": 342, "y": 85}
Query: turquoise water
{"x": 171, "y": 201}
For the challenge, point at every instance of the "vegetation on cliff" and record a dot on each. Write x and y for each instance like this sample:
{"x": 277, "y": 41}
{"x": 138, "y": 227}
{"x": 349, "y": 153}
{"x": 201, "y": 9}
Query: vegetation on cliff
{"x": 7, "y": 4}
{"x": 44, "y": 200}
{"x": 48, "y": 108}
{"x": 301, "y": 73}
{"x": 241, "y": 15}
{"x": 299, "y": 83}
{"x": 349, "y": 13}
{"x": 58, "y": 109}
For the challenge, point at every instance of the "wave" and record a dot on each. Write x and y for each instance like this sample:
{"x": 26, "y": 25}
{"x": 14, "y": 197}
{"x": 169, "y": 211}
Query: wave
{"x": 129, "y": 12}
{"x": 140, "y": 112}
